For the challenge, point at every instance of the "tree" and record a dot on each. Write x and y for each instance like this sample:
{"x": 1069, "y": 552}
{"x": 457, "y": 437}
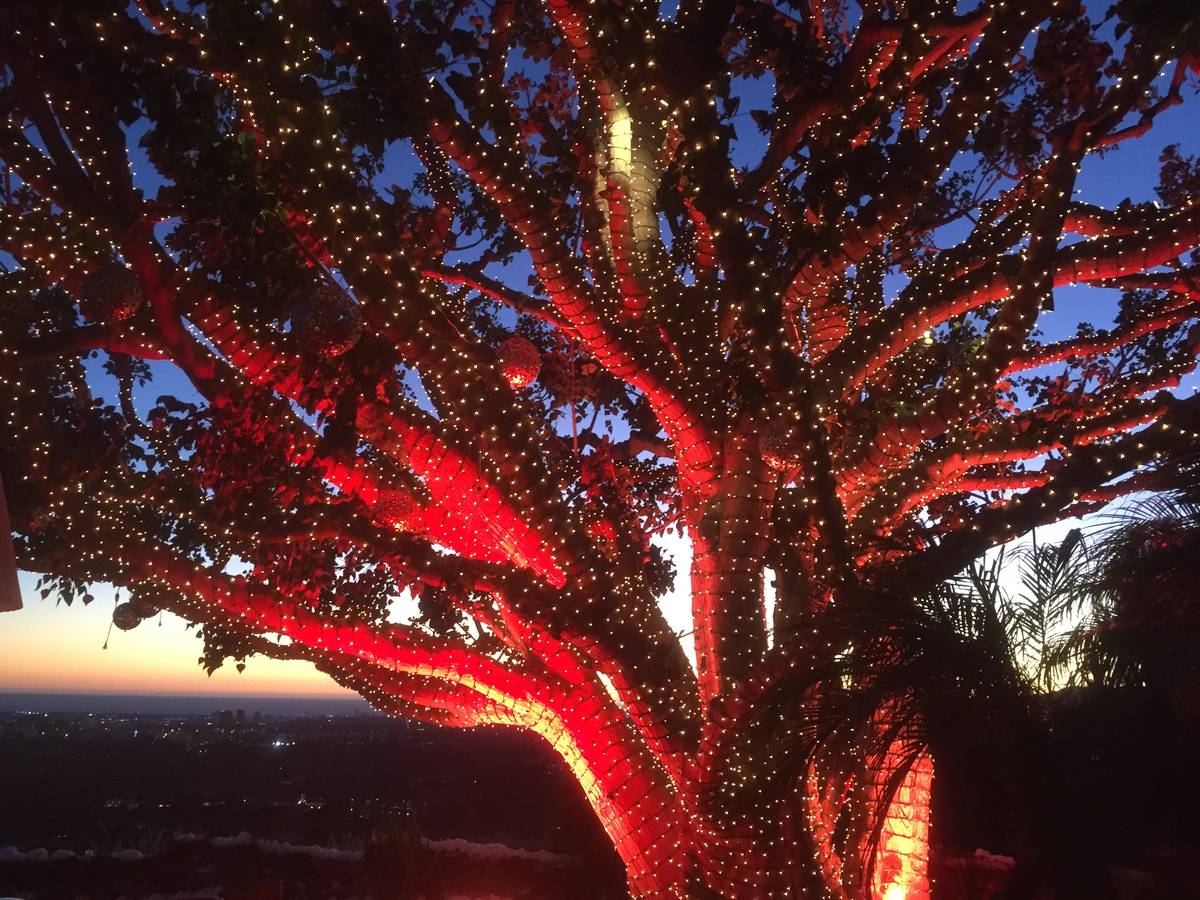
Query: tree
{"x": 1036, "y": 701}
{"x": 1141, "y": 618}
{"x": 817, "y": 357}
{"x": 972, "y": 670}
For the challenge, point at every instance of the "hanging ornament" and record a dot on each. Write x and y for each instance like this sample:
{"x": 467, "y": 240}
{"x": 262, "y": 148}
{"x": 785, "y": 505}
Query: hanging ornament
{"x": 397, "y": 509}
{"x": 327, "y": 323}
{"x": 129, "y": 615}
{"x": 110, "y": 293}
{"x": 779, "y": 447}
{"x": 519, "y": 361}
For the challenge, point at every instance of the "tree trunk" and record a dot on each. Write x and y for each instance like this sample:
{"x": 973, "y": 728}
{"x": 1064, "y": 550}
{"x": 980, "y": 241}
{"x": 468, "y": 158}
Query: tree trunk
{"x": 678, "y": 851}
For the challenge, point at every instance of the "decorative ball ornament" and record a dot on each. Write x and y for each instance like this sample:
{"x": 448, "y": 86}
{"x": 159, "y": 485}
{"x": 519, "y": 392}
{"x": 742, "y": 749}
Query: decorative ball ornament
{"x": 778, "y": 446}
{"x": 327, "y": 323}
{"x": 396, "y": 509}
{"x": 519, "y": 361}
{"x": 110, "y": 293}
{"x": 129, "y": 615}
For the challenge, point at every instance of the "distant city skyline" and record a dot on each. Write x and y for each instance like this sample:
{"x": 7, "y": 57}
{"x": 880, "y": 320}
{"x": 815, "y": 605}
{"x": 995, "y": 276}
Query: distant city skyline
{"x": 47, "y": 705}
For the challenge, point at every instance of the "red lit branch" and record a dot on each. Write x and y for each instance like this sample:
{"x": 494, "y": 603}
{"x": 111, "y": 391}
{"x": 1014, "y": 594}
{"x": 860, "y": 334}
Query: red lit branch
{"x": 1099, "y": 260}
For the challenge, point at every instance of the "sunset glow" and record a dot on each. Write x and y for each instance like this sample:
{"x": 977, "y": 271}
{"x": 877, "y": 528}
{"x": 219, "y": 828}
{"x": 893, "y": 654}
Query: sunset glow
{"x": 52, "y": 648}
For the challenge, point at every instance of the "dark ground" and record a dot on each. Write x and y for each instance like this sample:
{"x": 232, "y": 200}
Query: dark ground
{"x": 381, "y": 789}
{"x": 386, "y": 795}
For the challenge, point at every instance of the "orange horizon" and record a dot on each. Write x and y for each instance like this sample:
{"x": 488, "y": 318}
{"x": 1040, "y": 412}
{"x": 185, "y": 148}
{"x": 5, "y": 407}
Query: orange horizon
{"x": 49, "y": 648}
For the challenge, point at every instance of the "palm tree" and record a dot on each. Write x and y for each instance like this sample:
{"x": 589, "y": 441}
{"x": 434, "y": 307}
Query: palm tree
{"x": 1141, "y": 625}
{"x": 990, "y": 676}
{"x": 974, "y": 672}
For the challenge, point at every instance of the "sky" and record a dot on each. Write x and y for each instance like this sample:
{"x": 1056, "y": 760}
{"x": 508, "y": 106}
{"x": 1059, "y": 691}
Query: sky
{"x": 49, "y": 647}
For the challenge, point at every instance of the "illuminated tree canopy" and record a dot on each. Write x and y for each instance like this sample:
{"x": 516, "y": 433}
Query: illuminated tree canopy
{"x": 310, "y": 304}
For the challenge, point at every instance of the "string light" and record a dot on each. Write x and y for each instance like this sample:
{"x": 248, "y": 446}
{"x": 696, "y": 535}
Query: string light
{"x": 775, "y": 406}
